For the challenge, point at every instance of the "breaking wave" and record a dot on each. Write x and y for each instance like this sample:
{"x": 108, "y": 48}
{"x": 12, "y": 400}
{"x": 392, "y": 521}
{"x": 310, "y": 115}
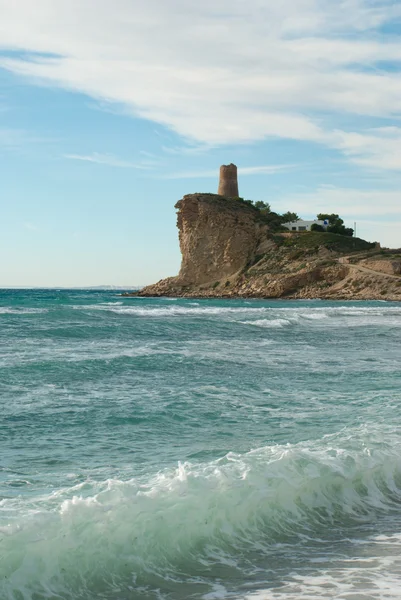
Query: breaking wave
{"x": 270, "y": 323}
{"x": 272, "y": 312}
{"x": 96, "y": 538}
{"x": 8, "y": 310}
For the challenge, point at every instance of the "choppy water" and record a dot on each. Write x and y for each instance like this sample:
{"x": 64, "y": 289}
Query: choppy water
{"x": 161, "y": 449}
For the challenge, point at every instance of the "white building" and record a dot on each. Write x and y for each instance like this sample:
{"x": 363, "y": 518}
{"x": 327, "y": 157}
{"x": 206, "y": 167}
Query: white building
{"x": 302, "y": 225}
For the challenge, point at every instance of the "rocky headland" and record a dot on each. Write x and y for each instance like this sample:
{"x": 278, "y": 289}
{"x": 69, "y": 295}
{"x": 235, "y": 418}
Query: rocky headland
{"x": 229, "y": 251}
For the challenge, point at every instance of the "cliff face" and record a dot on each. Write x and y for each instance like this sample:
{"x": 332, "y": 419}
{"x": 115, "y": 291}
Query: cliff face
{"x": 218, "y": 237}
{"x": 228, "y": 251}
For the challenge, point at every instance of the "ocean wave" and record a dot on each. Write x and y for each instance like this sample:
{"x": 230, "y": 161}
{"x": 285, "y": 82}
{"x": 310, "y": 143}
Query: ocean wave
{"x": 82, "y": 353}
{"x": 101, "y": 536}
{"x": 298, "y": 313}
{"x": 167, "y": 311}
{"x": 269, "y": 323}
{"x": 8, "y": 310}
{"x": 371, "y": 572}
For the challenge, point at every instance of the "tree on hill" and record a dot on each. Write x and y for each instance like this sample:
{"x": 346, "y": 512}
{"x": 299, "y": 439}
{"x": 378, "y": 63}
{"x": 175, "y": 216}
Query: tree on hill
{"x": 317, "y": 227}
{"x": 336, "y": 224}
{"x": 333, "y": 219}
{"x": 273, "y": 219}
{"x": 290, "y": 217}
{"x": 262, "y": 206}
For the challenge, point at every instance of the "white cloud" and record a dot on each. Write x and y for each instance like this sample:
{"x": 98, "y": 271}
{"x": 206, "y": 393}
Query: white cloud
{"x": 13, "y": 138}
{"x": 258, "y": 170}
{"x": 146, "y": 153}
{"x": 31, "y": 226}
{"x": 380, "y": 148}
{"x": 377, "y": 212}
{"x": 350, "y": 203}
{"x": 264, "y": 169}
{"x": 386, "y": 232}
{"x": 186, "y": 149}
{"x": 17, "y": 140}
{"x": 229, "y": 71}
{"x": 110, "y": 160}
{"x": 221, "y": 71}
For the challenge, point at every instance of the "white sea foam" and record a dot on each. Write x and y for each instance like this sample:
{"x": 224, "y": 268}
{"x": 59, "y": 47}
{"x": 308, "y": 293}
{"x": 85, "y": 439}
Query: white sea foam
{"x": 286, "y": 521}
{"x": 169, "y": 311}
{"x": 8, "y": 310}
{"x": 373, "y": 578}
{"x": 81, "y": 352}
{"x": 338, "y": 316}
{"x": 101, "y": 534}
{"x": 269, "y": 323}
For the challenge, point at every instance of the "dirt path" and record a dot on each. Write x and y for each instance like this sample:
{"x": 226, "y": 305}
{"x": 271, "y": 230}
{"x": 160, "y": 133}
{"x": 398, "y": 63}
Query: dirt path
{"x": 344, "y": 260}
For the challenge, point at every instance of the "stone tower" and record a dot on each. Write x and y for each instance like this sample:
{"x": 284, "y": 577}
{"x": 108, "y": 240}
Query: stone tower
{"x": 228, "y": 183}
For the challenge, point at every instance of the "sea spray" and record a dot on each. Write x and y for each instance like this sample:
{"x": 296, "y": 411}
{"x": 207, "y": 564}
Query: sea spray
{"x": 269, "y": 496}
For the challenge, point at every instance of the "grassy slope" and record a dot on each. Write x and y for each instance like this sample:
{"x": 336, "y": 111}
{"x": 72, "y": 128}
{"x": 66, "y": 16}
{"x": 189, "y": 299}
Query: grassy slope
{"x": 332, "y": 241}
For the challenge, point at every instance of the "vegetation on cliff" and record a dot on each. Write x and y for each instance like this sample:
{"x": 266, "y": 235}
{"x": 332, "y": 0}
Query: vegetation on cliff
{"x": 336, "y": 225}
{"x": 313, "y": 240}
{"x": 229, "y": 249}
{"x": 275, "y": 220}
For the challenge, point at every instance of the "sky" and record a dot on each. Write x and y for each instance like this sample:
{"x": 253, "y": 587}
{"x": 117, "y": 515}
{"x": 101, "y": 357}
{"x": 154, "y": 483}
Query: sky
{"x": 112, "y": 110}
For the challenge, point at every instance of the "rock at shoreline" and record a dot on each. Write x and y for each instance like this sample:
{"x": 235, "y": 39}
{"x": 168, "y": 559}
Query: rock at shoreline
{"x": 228, "y": 251}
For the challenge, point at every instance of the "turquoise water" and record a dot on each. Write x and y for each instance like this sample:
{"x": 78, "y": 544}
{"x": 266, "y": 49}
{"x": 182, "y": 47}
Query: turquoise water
{"x": 182, "y": 449}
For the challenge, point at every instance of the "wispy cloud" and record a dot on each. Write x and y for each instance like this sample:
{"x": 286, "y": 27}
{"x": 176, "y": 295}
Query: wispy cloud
{"x": 257, "y": 170}
{"x": 264, "y": 169}
{"x": 378, "y": 148}
{"x": 14, "y": 138}
{"x": 186, "y": 150}
{"x": 349, "y": 202}
{"x": 110, "y": 160}
{"x": 30, "y": 226}
{"x": 300, "y": 66}
{"x": 148, "y": 154}
{"x": 20, "y": 140}
{"x": 377, "y": 212}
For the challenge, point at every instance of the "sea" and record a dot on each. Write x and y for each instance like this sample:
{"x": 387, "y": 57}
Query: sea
{"x": 171, "y": 449}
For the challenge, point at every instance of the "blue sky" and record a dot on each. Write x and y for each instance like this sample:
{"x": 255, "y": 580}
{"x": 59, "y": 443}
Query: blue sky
{"x": 111, "y": 111}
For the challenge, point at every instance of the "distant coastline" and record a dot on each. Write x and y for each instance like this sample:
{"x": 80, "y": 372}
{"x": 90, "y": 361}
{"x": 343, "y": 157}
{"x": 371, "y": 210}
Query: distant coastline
{"x": 75, "y": 287}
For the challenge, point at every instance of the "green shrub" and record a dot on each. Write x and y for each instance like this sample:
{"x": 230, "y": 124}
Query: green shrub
{"x": 297, "y": 254}
{"x": 331, "y": 241}
{"x": 317, "y": 227}
{"x": 257, "y": 258}
{"x": 243, "y": 201}
{"x": 336, "y": 224}
{"x": 328, "y": 263}
{"x": 278, "y": 239}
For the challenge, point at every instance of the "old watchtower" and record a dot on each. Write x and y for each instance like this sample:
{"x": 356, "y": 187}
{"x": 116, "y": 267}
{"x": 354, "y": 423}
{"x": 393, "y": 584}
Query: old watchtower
{"x": 228, "y": 183}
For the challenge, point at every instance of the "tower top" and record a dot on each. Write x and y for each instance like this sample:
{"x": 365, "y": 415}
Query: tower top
{"x": 228, "y": 182}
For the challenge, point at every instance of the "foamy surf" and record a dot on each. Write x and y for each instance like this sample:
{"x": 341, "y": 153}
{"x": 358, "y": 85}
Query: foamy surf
{"x": 9, "y": 310}
{"x": 272, "y": 497}
{"x": 337, "y": 315}
{"x": 269, "y": 323}
{"x": 160, "y": 449}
